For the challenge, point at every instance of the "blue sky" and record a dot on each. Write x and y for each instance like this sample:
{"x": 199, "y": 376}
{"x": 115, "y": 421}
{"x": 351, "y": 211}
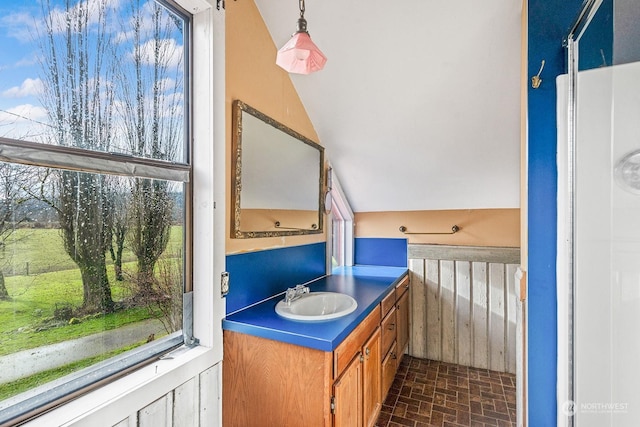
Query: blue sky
{"x": 19, "y": 68}
{"x": 21, "y": 112}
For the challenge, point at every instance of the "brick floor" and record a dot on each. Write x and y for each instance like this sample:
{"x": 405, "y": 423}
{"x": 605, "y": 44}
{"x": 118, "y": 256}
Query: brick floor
{"x": 430, "y": 393}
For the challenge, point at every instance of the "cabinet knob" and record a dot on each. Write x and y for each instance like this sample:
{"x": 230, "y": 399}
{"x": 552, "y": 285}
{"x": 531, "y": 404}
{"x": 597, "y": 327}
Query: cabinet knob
{"x": 367, "y": 351}
{"x": 393, "y": 356}
{"x": 392, "y": 326}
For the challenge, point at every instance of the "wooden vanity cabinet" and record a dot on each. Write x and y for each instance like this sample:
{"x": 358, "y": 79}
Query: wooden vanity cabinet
{"x": 389, "y": 369}
{"x": 362, "y": 348}
{"x": 272, "y": 383}
{"x": 346, "y": 403}
{"x": 371, "y": 381}
{"x": 395, "y": 331}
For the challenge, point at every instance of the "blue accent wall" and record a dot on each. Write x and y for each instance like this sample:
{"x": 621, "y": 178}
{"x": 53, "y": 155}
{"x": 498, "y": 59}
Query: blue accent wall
{"x": 380, "y": 251}
{"x": 255, "y": 276}
{"x": 549, "y": 23}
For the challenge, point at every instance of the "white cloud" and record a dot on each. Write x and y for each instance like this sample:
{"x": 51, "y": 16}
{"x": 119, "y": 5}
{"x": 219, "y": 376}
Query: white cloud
{"x": 122, "y": 36}
{"x": 20, "y": 26}
{"x": 169, "y": 52}
{"x": 26, "y": 122}
{"x": 28, "y": 87}
{"x": 92, "y": 8}
{"x": 23, "y": 113}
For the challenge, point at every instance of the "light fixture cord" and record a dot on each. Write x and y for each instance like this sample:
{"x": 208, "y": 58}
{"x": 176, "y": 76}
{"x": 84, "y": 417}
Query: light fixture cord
{"x": 301, "y": 5}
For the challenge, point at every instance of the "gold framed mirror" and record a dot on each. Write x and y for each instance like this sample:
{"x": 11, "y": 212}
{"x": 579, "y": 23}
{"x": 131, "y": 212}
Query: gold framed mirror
{"x": 277, "y": 178}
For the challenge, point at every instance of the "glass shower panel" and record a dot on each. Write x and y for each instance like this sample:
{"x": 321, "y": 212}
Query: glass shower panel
{"x": 599, "y": 218}
{"x": 607, "y": 247}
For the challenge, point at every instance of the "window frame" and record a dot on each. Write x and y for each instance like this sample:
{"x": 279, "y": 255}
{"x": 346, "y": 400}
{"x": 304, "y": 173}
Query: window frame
{"x": 342, "y": 214}
{"x": 57, "y": 392}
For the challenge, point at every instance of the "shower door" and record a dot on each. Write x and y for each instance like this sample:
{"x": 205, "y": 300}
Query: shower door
{"x": 599, "y": 227}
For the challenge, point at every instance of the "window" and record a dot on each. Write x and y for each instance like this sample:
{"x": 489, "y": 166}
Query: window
{"x": 341, "y": 219}
{"x": 94, "y": 193}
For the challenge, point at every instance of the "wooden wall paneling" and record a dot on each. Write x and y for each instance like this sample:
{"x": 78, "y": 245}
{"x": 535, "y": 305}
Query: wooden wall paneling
{"x": 125, "y": 423}
{"x": 497, "y": 315}
{"x": 186, "y": 402}
{"x": 465, "y": 253}
{"x": 511, "y": 318}
{"x": 463, "y": 312}
{"x": 193, "y": 403}
{"x": 418, "y": 323}
{"x": 448, "y": 310}
{"x": 434, "y": 336}
{"x": 157, "y": 414}
{"x": 480, "y": 333}
{"x": 469, "y": 307}
{"x": 210, "y": 396}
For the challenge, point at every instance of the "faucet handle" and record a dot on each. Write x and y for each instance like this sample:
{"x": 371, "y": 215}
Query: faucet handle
{"x": 289, "y": 294}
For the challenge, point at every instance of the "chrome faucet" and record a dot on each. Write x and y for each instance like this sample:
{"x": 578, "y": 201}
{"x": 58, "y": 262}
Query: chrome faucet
{"x": 293, "y": 294}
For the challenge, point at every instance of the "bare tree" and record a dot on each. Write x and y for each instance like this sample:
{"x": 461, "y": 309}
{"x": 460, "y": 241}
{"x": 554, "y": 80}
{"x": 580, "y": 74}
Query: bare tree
{"x": 13, "y": 196}
{"x": 78, "y": 70}
{"x": 153, "y": 122}
{"x": 165, "y": 295}
{"x": 119, "y": 196}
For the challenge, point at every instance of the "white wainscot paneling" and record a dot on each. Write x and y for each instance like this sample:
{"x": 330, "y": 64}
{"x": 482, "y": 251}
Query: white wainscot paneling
{"x": 181, "y": 391}
{"x": 464, "y": 305}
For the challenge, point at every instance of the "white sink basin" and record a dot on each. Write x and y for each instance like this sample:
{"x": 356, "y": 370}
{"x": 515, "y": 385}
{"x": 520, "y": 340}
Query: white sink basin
{"x": 316, "y": 306}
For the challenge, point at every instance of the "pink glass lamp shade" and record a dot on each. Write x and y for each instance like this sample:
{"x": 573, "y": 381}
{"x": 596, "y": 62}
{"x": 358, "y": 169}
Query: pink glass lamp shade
{"x": 300, "y": 55}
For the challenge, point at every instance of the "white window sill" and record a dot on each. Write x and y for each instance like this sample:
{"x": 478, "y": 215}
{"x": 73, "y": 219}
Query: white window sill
{"x": 114, "y": 402}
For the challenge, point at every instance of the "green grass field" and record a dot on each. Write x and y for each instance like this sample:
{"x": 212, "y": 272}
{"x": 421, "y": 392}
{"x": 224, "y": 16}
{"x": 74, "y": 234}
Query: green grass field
{"x": 41, "y": 277}
{"x": 54, "y": 281}
{"x": 35, "y": 251}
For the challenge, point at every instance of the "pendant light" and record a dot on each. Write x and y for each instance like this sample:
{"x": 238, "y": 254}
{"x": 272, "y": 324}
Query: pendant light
{"x": 300, "y": 55}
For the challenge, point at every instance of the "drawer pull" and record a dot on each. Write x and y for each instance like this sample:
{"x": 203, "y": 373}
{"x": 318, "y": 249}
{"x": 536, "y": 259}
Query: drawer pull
{"x": 391, "y": 326}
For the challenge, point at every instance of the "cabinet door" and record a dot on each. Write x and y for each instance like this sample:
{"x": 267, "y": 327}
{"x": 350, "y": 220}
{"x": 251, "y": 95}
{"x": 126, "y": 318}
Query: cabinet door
{"x": 402, "y": 320}
{"x": 371, "y": 379}
{"x": 389, "y": 367}
{"x": 388, "y": 331}
{"x": 347, "y": 396}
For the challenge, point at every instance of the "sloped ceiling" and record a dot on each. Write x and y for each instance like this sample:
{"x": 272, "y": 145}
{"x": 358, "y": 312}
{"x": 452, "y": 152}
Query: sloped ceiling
{"x": 418, "y": 106}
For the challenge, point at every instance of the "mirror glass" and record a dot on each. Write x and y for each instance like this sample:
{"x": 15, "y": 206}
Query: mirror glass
{"x": 277, "y": 178}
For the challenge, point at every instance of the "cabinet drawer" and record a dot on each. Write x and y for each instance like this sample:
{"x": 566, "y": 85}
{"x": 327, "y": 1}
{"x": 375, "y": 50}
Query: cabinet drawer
{"x": 402, "y": 287}
{"x": 351, "y": 345}
{"x": 387, "y": 303}
{"x": 389, "y": 367}
{"x": 389, "y": 329}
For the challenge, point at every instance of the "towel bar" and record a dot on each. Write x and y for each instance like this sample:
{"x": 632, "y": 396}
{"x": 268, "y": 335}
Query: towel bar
{"x": 454, "y": 230}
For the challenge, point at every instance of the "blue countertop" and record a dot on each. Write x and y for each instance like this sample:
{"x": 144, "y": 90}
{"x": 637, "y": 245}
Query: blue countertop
{"x": 367, "y": 284}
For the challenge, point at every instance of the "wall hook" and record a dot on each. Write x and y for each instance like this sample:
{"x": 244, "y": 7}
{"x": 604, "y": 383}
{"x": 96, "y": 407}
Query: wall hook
{"x": 536, "y": 80}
